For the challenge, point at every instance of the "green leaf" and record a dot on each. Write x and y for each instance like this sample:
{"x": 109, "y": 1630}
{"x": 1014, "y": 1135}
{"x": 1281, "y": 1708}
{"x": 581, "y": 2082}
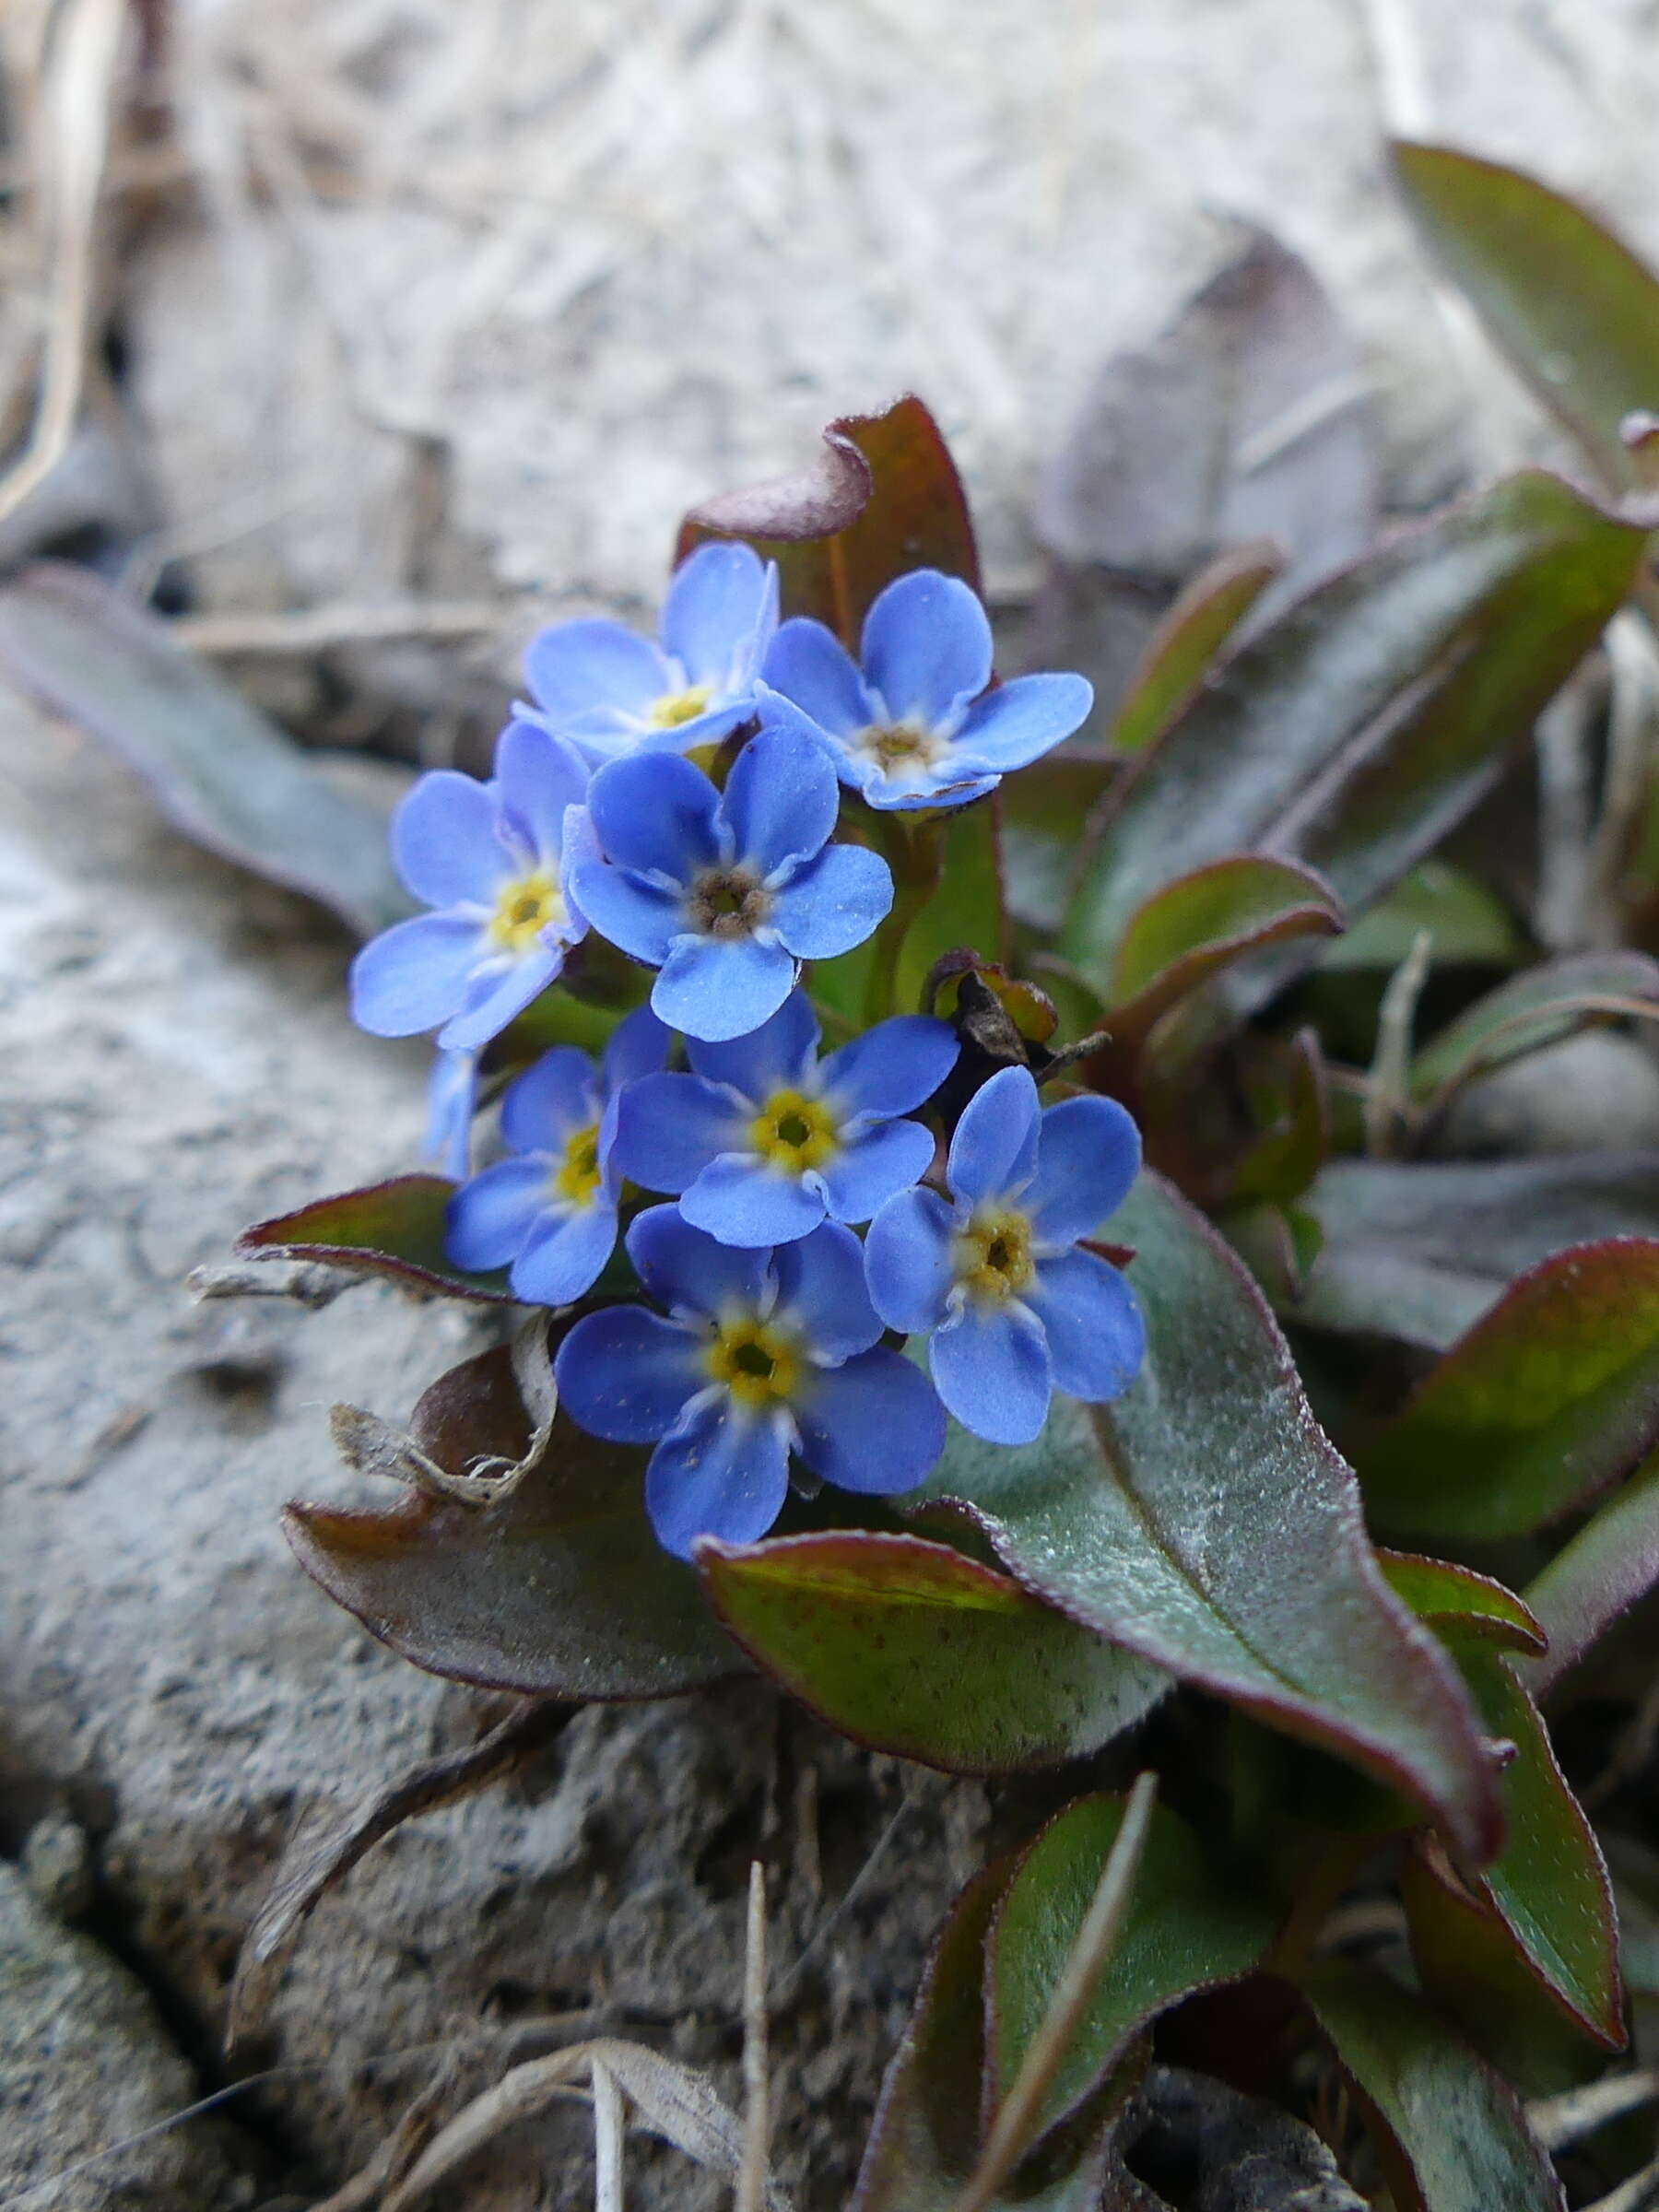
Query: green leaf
{"x": 1371, "y": 716}
{"x": 1549, "y": 1886}
{"x": 1192, "y": 928}
{"x": 1206, "y": 1522}
{"x": 1420, "y": 1252}
{"x": 219, "y": 771}
{"x": 391, "y": 1228}
{"x": 1289, "y": 1153}
{"x": 1548, "y": 1002}
{"x": 1466, "y": 924}
{"x": 558, "y": 1589}
{"x": 1453, "y": 2133}
{"x": 1045, "y": 812}
{"x": 925, "y": 2138}
{"x": 1550, "y": 1396}
{"x": 1574, "y": 311}
{"x": 1187, "y": 1929}
{"x": 1611, "y": 1562}
{"x": 1181, "y": 649}
{"x": 1447, "y": 1596}
{"x": 884, "y": 498}
{"x": 913, "y": 1648}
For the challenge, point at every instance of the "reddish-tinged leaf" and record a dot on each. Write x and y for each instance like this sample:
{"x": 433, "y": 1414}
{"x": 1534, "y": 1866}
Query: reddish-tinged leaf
{"x": 1546, "y": 1400}
{"x": 1192, "y": 928}
{"x": 1186, "y": 644}
{"x": 1571, "y": 305}
{"x": 1186, "y": 1929}
{"x": 391, "y": 1228}
{"x": 1206, "y": 1522}
{"x": 219, "y": 770}
{"x": 557, "y": 1590}
{"x": 910, "y": 1647}
{"x": 1548, "y": 1002}
{"x": 1452, "y": 2131}
{"x": 1448, "y": 1596}
{"x": 1550, "y": 1887}
{"x": 885, "y": 498}
{"x": 1611, "y": 1562}
{"x": 1288, "y": 1155}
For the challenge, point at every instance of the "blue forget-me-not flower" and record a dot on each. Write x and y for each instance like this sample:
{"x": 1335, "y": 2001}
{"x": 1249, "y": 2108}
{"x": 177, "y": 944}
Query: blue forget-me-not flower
{"x": 762, "y": 1354}
{"x": 490, "y": 859}
{"x": 611, "y": 691}
{"x": 763, "y": 1140}
{"x": 916, "y": 725}
{"x": 451, "y": 1100}
{"x": 548, "y": 1213}
{"x": 726, "y": 893}
{"x": 994, "y": 1273}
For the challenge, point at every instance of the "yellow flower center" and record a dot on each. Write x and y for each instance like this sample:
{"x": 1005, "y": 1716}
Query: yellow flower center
{"x": 759, "y": 1364}
{"x": 793, "y": 1132}
{"x": 993, "y": 1254}
{"x": 524, "y": 910}
{"x": 897, "y": 746}
{"x": 577, "y": 1178}
{"x": 674, "y": 707}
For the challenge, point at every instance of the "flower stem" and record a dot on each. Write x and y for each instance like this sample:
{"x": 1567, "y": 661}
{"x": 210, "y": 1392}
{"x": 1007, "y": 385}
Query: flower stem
{"x": 914, "y": 847}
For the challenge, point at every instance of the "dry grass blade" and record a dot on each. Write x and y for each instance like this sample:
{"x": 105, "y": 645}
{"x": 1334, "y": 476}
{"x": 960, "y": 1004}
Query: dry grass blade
{"x": 1558, "y": 2120}
{"x": 757, "y": 2115}
{"x": 610, "y": 2129}
{"x": 321, "y": 1861}
{"x": 1640, "y": 2194}
{"x": 80, "y": 93}
{"x": 1015, "y": 2125}
{"x": 1388, "y": 1093}
{"x": 670, "y": 2100}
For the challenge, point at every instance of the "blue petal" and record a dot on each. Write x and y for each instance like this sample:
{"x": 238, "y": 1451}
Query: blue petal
{"x": 550, "y": 1101}
{"x": 486, "y": 1221}
{"x": 1087, "y": 1155}
{"x": 741, "y": 1200}
{"x": 781, "y": 799}
{"x": 625, "y": 1375}
{"x": 681, "y": 1266}
{"x": 444, "y": 841}
{"x": 821, "y": 1280}
{"x": 578, "y": 671}
{"x": 875, "y": 1426}
{"x": 776, "y": 1056}
{"x": 777, "y": 712}
{"x": 926, "y": 646}
{"x": 656, "y": 813}
{"x": 638, "y": 1046}
{"x": 684, "y": 736}
{"x": 715, "y": 988}
{"x": 669, "y": 1127}
{"x": 626, "y": 910}
{"x": 942, "y": 787}
{"x": 538, "y": 776}
{"x": 892, "y": 1068}
{"x": 414, "y": 975}
{"x": 718, "y": 613}
{"x": 493, "y": 1000}
{"x": 815, "y": 672}
{"x": 834, "y": 902}
{"x": 565, "y": 1255}
{"x": 451, "y": 1100}
{"x": 887, "y": 1159}
{"x": 721, "y": 1473}
{"x": 908, "y": 1262}
{"x": 1019, "y": 723}
{"x": 990, "y": 1366}
{"x": 995, "y": 1148}
{"x": 1097, "y": 1339}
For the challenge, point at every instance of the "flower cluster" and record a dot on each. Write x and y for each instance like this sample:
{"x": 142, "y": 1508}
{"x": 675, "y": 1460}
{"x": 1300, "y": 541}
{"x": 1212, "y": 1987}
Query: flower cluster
{"x": 680, "y": 799}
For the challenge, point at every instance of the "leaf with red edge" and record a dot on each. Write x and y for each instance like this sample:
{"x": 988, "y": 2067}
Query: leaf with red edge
{"x": 1187, "y": 643}
{"x": 1450, "y": 2131}
{"x": 1204, "y": 1521}
{"x": 1186, "y": 1929}
{"x": 1574, "y": 309}
{"x": 1195, "y": 926}
{"x": 1549, "y": 1397}
{"x": 1610, "y": 1562}
{"x": 1548, "y": 1002}
{"x": 913, "y": 1648}
{"x": 1448, "y": 1596}
{"x": 391, "y": 1228}
{"x": 884, "y": 498}
{"x": 558, "y": 1588}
